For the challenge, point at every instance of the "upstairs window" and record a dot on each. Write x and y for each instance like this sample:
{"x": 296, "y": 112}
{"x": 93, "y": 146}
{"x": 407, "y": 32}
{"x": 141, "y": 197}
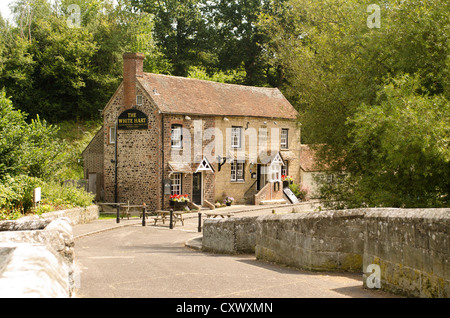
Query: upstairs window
{"x": 176, "y": 136}
{"x": 236, "y": 137}
{"x": 284, "y": 138}
{"x": 139, "y": 100}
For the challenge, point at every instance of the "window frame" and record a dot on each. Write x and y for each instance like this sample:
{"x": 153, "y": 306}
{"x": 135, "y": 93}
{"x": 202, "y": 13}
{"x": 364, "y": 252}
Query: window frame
{"x": 275, "y": 172}
{"x": 112, "y": 134}
{"x": 176, "y": 183}
{"x": 235, "y": 167}
{"x": 285, "y": 144}
{"x": 180, "y": 140}
{"x": 141, "y": 98}
{"x": 235, "y": 129}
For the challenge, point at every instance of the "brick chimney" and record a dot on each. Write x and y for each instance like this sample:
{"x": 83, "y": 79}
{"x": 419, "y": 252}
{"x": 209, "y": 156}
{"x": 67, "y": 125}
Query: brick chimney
{"x": 133, "y": 66}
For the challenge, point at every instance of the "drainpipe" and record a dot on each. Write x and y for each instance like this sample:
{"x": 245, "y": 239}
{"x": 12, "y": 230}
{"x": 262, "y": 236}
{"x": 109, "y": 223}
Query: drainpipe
{"x": 162, "y": 163}
{"x": 115, "y": 166}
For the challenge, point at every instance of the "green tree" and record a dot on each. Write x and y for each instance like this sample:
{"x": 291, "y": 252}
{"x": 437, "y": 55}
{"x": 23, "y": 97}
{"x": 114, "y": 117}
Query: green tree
{"x": 238, "y": 40}
{"x": 216, "y": 36}
{"x": 332, "y": 62}
{"x": 178, "y": 31}
{"x": 27, "y": 148}
{"x": 403, "y": 148}
{"x": 63, "y": 71}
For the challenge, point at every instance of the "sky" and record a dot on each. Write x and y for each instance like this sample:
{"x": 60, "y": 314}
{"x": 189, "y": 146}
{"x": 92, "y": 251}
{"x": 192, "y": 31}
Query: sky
{"x": 4, "y": 8}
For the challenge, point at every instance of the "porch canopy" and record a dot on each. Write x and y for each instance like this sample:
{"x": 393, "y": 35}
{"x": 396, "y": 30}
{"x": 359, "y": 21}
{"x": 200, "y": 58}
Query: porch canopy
{"x": 271, "y": 166}
{"x": 179, "y": 167}
{"x": 270, "y": 158}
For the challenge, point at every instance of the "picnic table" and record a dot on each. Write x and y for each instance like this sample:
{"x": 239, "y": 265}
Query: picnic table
{"x": 162, "y": 216}
{"x": 217, "y": 214}
{"x": 123, "y": 209}
{"x": 127, "y": 211}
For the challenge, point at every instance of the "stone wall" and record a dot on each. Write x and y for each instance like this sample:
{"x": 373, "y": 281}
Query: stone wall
{"x": 410, "y": 246}
{"x": 38, "y": 263}
{"x": 319, "y": 241}
{"x": 36, "y": 254}
{"x": 138, "y": 155}
{"x": 412, "y": 249}
{"x": 230, "y": 236}
{"x": 75, "y": 215}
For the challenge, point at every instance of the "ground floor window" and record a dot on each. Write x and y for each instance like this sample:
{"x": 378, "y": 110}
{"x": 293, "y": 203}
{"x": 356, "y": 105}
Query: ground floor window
{"x": 276, "y": 172}
{"x": 237, "y": 171}
{"x": 175, "y": 183}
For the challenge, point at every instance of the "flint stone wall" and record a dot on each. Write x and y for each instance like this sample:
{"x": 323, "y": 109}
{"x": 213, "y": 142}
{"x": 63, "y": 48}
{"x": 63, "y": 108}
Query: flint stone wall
{"x": 410, "y": 246}
{"x": 36, "y": 254}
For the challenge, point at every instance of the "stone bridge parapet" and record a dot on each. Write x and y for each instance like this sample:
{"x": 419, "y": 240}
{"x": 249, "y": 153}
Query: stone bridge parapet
{"x": 410, "y": 247}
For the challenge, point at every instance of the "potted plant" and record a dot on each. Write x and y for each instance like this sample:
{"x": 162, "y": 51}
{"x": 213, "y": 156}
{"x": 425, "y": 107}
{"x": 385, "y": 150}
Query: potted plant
{"x": 179, "y": 201}
{"x": 287, "y": 180}
{"x": 228, "y": 200}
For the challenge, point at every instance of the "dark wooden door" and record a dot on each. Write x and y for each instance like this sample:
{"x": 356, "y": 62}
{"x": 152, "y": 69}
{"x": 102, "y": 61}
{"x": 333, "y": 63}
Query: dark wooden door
{"x": 197, "y": 188}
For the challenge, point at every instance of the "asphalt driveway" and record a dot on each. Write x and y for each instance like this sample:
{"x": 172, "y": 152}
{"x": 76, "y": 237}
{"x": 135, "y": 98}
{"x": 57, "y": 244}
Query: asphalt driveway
{"x": 130, "y": 260}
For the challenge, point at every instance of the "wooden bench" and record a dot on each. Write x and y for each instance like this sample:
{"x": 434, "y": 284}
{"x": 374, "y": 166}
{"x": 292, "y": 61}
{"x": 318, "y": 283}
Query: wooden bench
{"x": 216, "y": 214}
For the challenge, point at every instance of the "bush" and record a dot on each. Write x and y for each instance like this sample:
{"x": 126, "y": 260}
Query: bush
{"x": 16, "y": 193}
{"x": 27, "y": 148}
{"x": 300, "y": 192}
{"x": 16, "y": 196}
{"x": 64, "y": 197}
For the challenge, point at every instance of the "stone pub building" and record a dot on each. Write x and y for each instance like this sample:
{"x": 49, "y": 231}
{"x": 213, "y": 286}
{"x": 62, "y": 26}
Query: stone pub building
{"x": 164, "y": 135}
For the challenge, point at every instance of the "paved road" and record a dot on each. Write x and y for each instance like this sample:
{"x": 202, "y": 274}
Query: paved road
{"x": 153, "y": 262}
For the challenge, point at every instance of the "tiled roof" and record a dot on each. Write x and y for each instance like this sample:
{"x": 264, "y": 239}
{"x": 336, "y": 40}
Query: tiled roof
{"x": 180, "y": 95}
{"x": 180, "y": 167}
{"x": 307, "y": 159}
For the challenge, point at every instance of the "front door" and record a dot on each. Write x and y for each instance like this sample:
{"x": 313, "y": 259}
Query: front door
{"x": 260, "y": 176}
{"x": 197, "y": 188}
